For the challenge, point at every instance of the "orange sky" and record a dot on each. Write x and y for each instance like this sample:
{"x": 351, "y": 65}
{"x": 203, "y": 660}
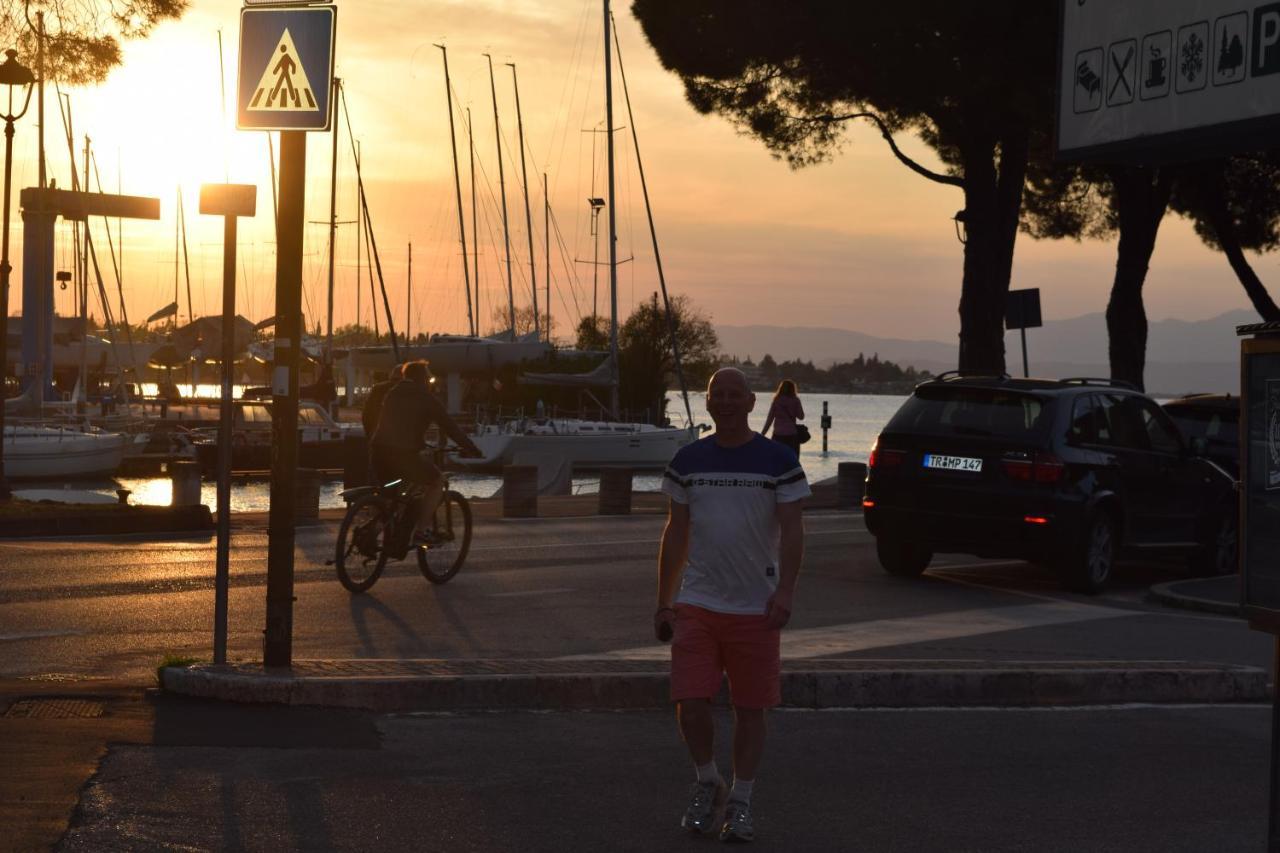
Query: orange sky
{"x": 859, "y": 243}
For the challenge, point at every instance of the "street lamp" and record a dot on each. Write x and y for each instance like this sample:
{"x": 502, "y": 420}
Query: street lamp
{"x": 12, "y": 74}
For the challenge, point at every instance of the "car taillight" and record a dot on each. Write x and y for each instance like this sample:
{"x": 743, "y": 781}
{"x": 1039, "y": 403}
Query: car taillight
{"x": 1033, "y": 468}
{"x": 882, "y": 459}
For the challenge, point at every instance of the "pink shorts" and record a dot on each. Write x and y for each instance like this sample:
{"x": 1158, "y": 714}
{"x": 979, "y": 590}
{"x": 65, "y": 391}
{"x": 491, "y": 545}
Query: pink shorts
{"x": 708, "y": 645}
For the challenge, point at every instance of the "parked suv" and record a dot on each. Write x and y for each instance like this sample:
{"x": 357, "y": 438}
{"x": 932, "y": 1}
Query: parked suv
{"x": 1065, "y": 473}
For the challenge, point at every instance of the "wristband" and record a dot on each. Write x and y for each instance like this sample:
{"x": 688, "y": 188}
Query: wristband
{"x": 661, "y": 609}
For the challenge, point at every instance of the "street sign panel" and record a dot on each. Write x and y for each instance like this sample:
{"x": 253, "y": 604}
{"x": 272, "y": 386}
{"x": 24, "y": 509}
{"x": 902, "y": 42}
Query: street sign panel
{"x": 1166, "y": 79}
{"x": 286, "y": 65}
{"x": 1022, "y": 309}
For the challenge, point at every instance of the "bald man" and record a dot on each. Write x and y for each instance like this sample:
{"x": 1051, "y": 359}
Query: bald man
{"x": 727, "y": 570}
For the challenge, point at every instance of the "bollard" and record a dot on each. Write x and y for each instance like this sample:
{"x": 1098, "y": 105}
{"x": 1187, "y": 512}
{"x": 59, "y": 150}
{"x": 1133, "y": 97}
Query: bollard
{"x": 615, "y": 491}
{"x": 520, "y": 491}
{"x": 355, "y": 461}
{"x": 307, "y": 491}
{"x": 851, "y": 482}
{"x": 122, "y": 495}
{"x": 185, "y": 476}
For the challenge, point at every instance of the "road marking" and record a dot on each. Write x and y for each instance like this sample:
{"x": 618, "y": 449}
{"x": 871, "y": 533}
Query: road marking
{"x": 526, "y": 592}
{"x": 835, "y": 640}
{"x": 35, "y": 635}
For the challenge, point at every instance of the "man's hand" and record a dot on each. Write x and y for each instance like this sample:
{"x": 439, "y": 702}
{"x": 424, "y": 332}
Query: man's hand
{"x": 778, "y": 611}
{"x": 664, "y": 624}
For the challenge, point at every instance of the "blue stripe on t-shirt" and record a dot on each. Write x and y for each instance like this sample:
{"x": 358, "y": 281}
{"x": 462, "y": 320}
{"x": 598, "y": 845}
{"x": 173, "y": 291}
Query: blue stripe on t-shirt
{"x": 758, "y": 456}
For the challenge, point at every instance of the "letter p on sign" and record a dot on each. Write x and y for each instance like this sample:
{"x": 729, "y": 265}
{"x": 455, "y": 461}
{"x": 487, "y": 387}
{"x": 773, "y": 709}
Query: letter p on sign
{"x": 1266, "y": 40}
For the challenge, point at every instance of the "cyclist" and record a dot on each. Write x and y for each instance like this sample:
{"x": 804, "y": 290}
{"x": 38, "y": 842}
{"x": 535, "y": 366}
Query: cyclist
{"x": 408, "y": 411}
{"x": 373, "y": 403}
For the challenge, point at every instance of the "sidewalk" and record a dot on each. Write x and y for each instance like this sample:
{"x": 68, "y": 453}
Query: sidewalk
{"x": 612, "y": 684}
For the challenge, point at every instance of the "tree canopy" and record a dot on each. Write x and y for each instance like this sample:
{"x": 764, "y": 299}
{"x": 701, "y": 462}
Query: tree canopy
{"x": 82, "y": 37}
{"x": 974, "y": 81}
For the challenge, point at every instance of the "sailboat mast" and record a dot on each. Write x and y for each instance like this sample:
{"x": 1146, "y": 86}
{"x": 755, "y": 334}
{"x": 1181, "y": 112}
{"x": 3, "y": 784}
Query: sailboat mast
{"x": 333, "y": 226}
{"x": 177, "y": 245}
{"x": 475, "y": 261}
{"x": 546, "y": 249}
{"x": 186, "y": 256}
{"x": 457, "y": 187}
{"x": 524, "y": 182}
{"x": 408, "y": 300}
{"x": 613, "y": 224}
{"x": 502, "y": 191}
{"x": 359, "y": 240}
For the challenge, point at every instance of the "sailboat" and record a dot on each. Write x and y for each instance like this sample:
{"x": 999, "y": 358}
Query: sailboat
{"x": 579, "y": 443}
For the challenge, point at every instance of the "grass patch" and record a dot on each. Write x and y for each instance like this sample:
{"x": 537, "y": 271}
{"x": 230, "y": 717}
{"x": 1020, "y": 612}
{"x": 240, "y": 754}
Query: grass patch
{"x": 174, "y": 660}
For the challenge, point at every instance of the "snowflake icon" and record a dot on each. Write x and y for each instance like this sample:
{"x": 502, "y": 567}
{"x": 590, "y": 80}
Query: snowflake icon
{"x": 1191, "y": 57}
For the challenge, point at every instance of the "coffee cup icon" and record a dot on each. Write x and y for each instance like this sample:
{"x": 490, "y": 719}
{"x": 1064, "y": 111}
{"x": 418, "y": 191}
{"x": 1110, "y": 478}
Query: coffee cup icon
{"x": 1156, "y": 65}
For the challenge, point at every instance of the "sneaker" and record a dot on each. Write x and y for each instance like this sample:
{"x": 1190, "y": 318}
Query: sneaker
{"x": 705, "y": 807}
{"x": 737, "y": 823}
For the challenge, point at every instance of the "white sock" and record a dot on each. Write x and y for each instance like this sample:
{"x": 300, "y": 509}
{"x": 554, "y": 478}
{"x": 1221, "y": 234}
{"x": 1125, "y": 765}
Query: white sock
{"x": 742, "y": 790}
{"x": 708, "y": 772}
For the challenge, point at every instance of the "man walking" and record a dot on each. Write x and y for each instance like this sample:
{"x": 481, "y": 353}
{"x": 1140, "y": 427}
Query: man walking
{"x": 727, "y": 570}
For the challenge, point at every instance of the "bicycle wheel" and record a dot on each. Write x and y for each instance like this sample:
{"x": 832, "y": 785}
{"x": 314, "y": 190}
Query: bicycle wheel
{"x": 361, "y": 551}
{"x": 449, "y": 541}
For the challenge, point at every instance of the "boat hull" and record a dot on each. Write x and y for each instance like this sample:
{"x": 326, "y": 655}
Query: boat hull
{"x": 60, "y": 455}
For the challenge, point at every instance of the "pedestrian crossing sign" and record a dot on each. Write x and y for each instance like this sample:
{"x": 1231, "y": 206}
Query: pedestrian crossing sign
{"x": 286, "y": 68}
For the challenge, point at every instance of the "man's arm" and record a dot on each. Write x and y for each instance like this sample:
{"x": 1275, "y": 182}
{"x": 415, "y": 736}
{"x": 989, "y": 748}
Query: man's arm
{"x": 440, "y": 415}
{"x": 790, "y": 556}
{"x": 672, "y": 555}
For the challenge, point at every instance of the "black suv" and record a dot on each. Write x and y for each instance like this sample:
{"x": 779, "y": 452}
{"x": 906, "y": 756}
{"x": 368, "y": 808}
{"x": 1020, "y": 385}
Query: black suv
{"x": 1064, "y": 473}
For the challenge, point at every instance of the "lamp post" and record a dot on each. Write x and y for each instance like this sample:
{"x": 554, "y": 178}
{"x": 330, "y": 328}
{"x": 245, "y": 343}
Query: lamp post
{"x": 12, "y": 74}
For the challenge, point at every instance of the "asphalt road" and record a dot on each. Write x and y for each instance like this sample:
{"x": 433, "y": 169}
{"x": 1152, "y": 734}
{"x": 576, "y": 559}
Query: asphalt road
{"x": 551, "y": 588}
{"x": 202, "y": 777}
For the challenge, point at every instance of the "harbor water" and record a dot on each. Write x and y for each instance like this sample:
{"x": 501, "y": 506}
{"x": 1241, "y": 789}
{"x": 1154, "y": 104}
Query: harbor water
{"x": 856, "y": 421}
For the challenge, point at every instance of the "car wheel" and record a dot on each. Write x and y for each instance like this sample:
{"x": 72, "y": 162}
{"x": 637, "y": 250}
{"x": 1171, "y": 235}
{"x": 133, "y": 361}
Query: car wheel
{"x": 1220, "y": 554}
{"x": 901, "y": 558}
{"x": 1088, "y": 568}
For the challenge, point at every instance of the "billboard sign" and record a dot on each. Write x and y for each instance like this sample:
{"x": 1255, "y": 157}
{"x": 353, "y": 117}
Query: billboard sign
{"x": 1166, "y": 79}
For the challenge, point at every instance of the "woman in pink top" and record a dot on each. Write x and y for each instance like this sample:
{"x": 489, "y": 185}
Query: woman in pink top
{"x": 783, "y": 414}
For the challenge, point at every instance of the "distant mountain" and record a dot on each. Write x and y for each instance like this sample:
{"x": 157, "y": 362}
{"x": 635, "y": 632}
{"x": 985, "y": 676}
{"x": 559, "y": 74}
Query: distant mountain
{"x": 1182, "y": 356}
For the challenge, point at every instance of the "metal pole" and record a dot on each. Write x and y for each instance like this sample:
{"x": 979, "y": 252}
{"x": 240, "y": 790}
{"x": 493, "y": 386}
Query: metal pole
{"x": 1026, "y": 371}
{"x": 546, "y": 249}
{"x": 40, "y": 91}
{"x": 826, "y": 425}
{"x": 278, "y": 635}
{"x": 502, "y": 191}
{"x": 475, "y": 261}
{"x": 333, "y": 229}
{"x": 457, "y": 186}
{"x": 222, "y": 570}
{"x": 528, "y": 219}
{"x": 613, "y": 224}
{"x": 408, "y": 300}
{"x": 5, "y": 269}
{"x": 1273, "y": 796}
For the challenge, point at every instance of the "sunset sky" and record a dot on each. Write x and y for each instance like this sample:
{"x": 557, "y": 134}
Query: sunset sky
{"x": 859, "y": 243}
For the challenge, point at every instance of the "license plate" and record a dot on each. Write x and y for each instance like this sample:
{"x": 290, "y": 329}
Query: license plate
{"x": 952, "y": 463}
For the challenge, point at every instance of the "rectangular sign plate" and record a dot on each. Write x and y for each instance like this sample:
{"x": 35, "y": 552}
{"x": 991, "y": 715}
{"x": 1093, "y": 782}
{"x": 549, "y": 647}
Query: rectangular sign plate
{"x": 1166, "y": 78}
{"x": 286, "y": 68}
{"x": 952, "y": 463}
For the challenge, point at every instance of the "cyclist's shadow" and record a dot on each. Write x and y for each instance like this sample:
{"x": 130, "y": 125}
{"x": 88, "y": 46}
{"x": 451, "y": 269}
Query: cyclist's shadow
{"x": 365, "y": 606}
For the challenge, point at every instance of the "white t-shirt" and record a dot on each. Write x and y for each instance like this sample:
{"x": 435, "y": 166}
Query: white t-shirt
{"x": 732, "y": 494}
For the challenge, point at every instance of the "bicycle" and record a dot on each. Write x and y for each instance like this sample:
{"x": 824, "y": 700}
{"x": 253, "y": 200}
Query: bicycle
{"x": 379, "y": 526}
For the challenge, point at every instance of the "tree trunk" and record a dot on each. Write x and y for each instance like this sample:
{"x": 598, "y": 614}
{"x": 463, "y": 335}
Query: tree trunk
{"x": 993, "y": 201}
{"x": 1224, "y": 228}
{"x": 1142, "y": 197}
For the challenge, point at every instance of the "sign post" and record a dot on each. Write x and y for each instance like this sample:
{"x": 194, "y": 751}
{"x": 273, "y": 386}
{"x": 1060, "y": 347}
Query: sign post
{"x": 1022, "y": 312}
{"x": 285, "y": 84}
{"x": 228, "y": 201}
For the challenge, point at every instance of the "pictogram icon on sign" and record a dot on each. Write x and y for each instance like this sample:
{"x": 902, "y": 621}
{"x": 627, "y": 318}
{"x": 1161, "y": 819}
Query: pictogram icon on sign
{"x": 284, "y": 84}
{"x": 286, "y": 68}
{"x": 1122, "y": 73}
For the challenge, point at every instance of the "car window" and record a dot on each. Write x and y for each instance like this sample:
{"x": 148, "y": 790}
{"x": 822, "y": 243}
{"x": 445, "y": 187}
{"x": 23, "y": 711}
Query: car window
{"x": 1089, "y": 421}
{"x": 1204, "y": 423}
{"x": 1138, "y": 424}
{"x": 1161, "y": 434}
{"x": 1124, "y": 419}
{"x": 970, "y": 411}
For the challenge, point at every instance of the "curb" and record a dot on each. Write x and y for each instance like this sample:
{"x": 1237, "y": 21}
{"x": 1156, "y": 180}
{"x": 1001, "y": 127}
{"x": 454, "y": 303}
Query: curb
{"x": 922, "y": 687}
{"x": 1164, "y": 594}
